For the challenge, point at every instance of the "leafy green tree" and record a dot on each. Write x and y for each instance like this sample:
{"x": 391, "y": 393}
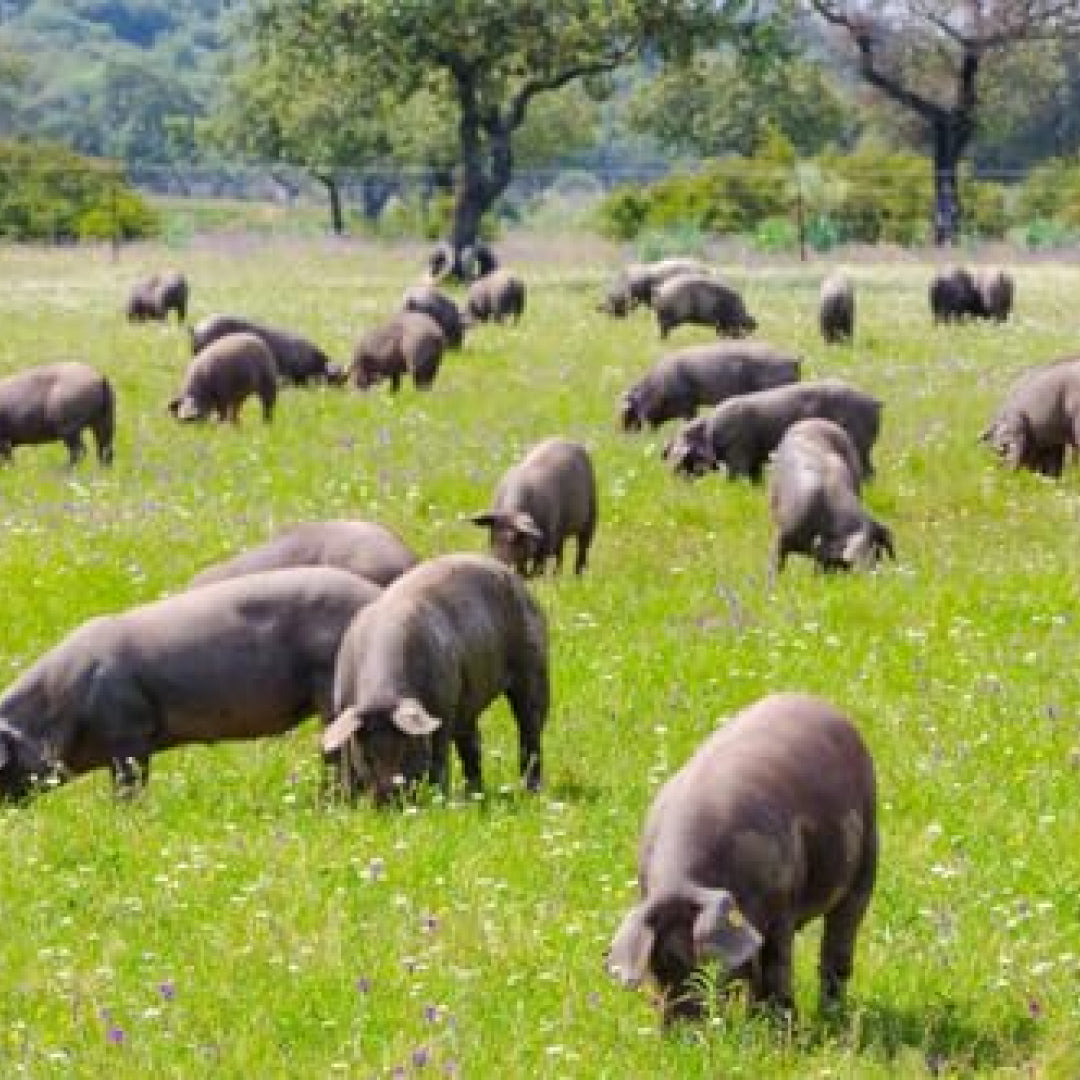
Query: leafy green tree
{"x": 725, "y": 101}
{"x": 490, "y": 60}
{"x": 13, "y": 73}
{"x": 273, "y": 111}
{"x": 49, "y": 193}
{"x": 927, "y": 56}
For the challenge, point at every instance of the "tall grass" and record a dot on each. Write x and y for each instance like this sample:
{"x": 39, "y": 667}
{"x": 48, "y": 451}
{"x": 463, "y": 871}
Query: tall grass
{"x": 226, "y": 923}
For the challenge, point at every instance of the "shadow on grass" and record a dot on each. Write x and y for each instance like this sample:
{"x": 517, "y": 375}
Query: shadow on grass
{"x": 943, "y": 1034}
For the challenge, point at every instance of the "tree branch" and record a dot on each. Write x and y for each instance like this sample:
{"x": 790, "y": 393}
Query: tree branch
{"x": 862, "y": 32}
{"x": 514, "y": 116}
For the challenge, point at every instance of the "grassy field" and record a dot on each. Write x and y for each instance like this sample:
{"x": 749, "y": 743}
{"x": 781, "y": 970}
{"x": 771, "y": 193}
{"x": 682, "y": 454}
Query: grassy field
{"x": 229, "y": 924}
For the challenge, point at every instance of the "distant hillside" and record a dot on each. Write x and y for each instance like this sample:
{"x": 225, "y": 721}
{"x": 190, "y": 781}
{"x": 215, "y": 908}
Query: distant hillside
{"x": 119, "y": 78}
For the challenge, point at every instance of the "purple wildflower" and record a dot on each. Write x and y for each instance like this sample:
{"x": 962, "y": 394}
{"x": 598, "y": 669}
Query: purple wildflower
{"x": 421, "y": 1057}
{"x": 363, "y": 985}
{"x": 431, "y": 1014}
{"x": 167, "y": 989}
{"x": 115, "y": 1035}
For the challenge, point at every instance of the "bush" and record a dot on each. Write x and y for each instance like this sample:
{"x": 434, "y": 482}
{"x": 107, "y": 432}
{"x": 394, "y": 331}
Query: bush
{"x": 681, "y": 239}
{"x": 1051, "y": 191}
{"x": 47, "y": 192}
{"x": 621, "y": 216}
{"x": 868, "y": 196}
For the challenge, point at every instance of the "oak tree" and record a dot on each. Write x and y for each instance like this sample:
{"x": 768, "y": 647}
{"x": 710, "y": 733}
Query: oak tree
{"x": 927, "y": 56}
{"x": 489, "y": 59}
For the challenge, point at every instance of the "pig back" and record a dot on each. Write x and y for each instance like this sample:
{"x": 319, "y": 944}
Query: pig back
{"x": 555, "y": 484}
{"x": 364, "y": 548}
{"x": 778, "y": 805}
{"x": 450, "y": 632}
{"x": 35, "y": 403}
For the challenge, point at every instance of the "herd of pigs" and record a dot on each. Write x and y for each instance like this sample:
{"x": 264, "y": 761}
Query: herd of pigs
{"x": 771, "y": 823}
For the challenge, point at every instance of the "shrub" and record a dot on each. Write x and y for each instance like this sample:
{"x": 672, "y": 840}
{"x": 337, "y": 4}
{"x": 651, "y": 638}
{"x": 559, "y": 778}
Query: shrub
{"x": 47, "y": 192}
{"x": 1050, "y": 191}
{"x": 868, "y": 196}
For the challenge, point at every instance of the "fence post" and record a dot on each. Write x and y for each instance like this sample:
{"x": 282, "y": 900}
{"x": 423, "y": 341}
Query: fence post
{"x": 800, "y": 216}
{"x": 114, "y": 209}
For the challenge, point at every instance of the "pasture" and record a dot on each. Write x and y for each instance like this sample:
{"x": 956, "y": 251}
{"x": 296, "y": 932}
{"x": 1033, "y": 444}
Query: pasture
{"x": 228, "y": 923}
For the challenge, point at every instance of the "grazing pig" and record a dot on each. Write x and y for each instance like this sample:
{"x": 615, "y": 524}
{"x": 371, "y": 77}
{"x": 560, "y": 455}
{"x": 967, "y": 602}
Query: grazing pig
{"x": 496, "y": 296}
{"x": 56, "y": 403}
{"x": 771, "y": 823}
{"x": 545, "y": 498}
{"x": 237, "y": 659}
{"x": 954, "y": 297}
{"x": 426, "y": 659}
{"x": 814, "y": 501}
{"x": 223, "y": 375}
{"x": 701, "y": 299}
{"x": 297, "y": 360}
{"x": 995, "y": 288}
{"x": 154, "y": 297}
{"x": 743, "y": 431}
{"x": 636, "y": 283}
{"x": 836, "y": 308}
{"x": 679, "y": 383}
{"x": 471, "y": 262}
{"x": 1039, "y": 419}
{"x": 440, "y": 307}
{"x": 411, "y": 341}
{"x": 364, "y": 548}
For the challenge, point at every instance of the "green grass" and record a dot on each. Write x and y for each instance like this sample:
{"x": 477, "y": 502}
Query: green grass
{"x": 227, "y": 924}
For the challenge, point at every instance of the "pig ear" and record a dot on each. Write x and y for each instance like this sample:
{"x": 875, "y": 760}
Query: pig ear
{"x": 524, "y": 524}
{"x": 411, "y": 718}
{"x": 341, "y": 730}
{"x": 630, "y": 949}
{"x": 722, "y": 932}
{"x": 487, "y": 518}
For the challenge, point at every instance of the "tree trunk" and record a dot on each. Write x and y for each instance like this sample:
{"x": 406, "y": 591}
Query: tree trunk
{"x": 337, "y": 220}
{"x": 478, "y": 182}
{"x": 947, "y": 152}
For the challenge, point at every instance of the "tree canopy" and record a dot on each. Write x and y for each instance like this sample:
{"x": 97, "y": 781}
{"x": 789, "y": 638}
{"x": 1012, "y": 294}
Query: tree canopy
{"x": 488, "y": 59}
{"x": 927, "y": 56}
{"x": 725, "y": 102}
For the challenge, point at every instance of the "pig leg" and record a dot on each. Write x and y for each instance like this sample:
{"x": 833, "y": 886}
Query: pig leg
{"x": 127, "y": 727}
{"x": 529, "y": 698}
{"x": 772, "y": 984}
{"x": 841, "y": 926}
{"x": 584, "y": 540}
{"x": 467, "y": 743}
{"x": 75, "y": 447}
{"x": 439, "y": 770}
{"x": 778, "y": 557}
{"x": 558, "y": 555}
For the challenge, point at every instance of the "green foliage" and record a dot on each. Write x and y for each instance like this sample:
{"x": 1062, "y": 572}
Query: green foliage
{"x": 725, "y": 102}
{"x": 484, "y": 66}
{"x": 114, "y": 78}
{"x": 1051, "y": 190}
{"x": 49, "y": 193}
{"x": 227, "y": 923}
{"x": 868, "y": 197}
{"x": 682, "y": 239}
